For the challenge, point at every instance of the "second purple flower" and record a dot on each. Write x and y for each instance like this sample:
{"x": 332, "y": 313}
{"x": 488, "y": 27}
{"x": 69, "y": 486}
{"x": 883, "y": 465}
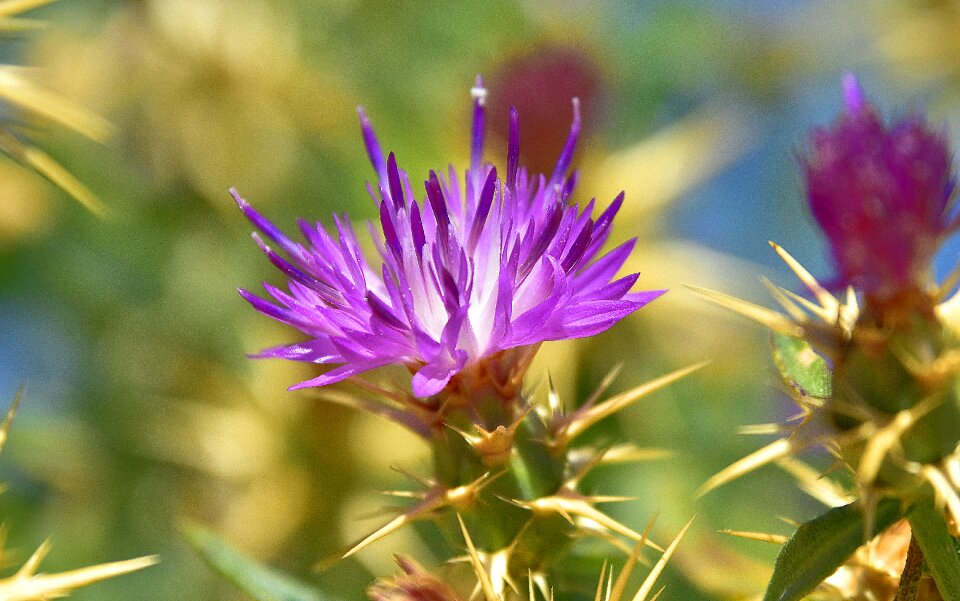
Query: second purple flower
{"x": 881, "y": 193}
{"x": 471, "y": 270}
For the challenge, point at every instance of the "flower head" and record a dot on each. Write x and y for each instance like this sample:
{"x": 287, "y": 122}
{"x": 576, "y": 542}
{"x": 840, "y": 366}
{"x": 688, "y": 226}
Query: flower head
{"x": 415, "y": 584}
{"x": 880, "y": 193}
{"x": 467, "y": 272}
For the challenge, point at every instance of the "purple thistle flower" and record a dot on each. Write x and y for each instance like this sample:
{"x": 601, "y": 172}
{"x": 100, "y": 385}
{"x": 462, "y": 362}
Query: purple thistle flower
{"x": 880, "y": 193}
{"x": 466, "y": 272}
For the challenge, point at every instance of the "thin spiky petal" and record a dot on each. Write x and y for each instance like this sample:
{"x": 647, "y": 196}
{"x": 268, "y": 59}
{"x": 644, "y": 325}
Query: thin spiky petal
{"x": 48, "y": 167}
{"x": 10, "y": 8}
{"x": 763, "y": 429}
{"x": 433, "y": 500}
{"x": 945, "y": 491}
{"x": 651, "y": 578}
{"x": 881, "y": 443}
{"x": 815, "y": 484}
{"x": 587, "y": 416}
{"x": 8, "y": 419}
{"x": 659, "y": 592}
{"x": 483, "y": 578}
{"x": 570, "y": 506}
{"x": 823, "y": 296}
{"x": 615, "y": 593}
{"x": 767, "y": 317}
{"x": 780, "y": 295}
{"x": 400, "y": 416}
{"x": 418, "y": 511}
{"x": 28, "y": 585}
{"x": 775, "y": 450}
{"x": 20, "y": 91}
{"x": 622, "y": 453}
{"x": 764, "y": 537}
{"x": 566, "y": 156}
{"x": 827, "y": 315}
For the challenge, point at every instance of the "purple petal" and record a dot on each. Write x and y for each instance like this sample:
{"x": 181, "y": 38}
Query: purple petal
{"x": 483, "y": 208}
{"x": 325, "y": 291}
{"x": 337, "y": 374}
{"x": 437, "y": 203}
{"x": 528, "y": 327}
{"x": 601, "y": 229}
{"x": 432, "y": 378}
{"x": 384, "y": 312}
{"x": 569, "y": 186}
{"x": 449, "y": 290}
{"x": 853, "y": 96}
{"x": 270, "y": 310}
{"x": 479, "y": 94}
{"x": 389, "y": 232}
{"x": 513, "y": 150}
{"x": 614, "y": 290}
{"x": 601, "y": 271}
{"x": 264, "y": 225}
{"x": 393, "y": 177}
{"x": 416, "y": 228}
{"x": 503, "y": 312}
{"x": 373, "y": 146}
{"x": 566, "y": 156}
{"x": 577, "y": 248}
{"x": 316, "y": 350}
{"x": 591, "y": 318}
{"x": 546, "y": 236}
{"x": 645, "y": 296}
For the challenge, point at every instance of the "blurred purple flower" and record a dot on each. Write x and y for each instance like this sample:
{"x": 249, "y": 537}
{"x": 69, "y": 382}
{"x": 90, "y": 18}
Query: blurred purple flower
{"x": 880, "y": 193}
{"x": 466, "y": 273}
{"x": 539, "y": 83}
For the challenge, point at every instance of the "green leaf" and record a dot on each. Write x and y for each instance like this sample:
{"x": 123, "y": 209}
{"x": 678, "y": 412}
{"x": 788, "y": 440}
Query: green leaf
{"x": 801, "y": 367}
{"x": 821, "y": 546}
{"x": 258, "y": 581}
{"x": 939, "y": 550}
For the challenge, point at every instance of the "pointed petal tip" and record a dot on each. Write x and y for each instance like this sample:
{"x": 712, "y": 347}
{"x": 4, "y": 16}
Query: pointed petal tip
{"x": 566, "y": 155}
{"x": 247, "y": 295}
{"x": 644, "y": 297}
{"x": 479, "y": 93}
{"x": 430, "y": 380}
{"x": 853, "y": 96}
{"x": 241, "y": 202}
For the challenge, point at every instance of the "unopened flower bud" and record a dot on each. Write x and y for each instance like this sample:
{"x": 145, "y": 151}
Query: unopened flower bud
{"x": 880, "y": 192}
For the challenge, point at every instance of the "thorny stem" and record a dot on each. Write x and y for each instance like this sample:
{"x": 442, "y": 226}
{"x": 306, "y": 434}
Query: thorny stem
{"x": 909, "y": 587}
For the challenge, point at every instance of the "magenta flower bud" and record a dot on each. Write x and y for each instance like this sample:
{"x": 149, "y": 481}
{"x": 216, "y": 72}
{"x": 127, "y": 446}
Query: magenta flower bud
{"x": 880, "y": 193}
{"x": 498, "y": 260}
